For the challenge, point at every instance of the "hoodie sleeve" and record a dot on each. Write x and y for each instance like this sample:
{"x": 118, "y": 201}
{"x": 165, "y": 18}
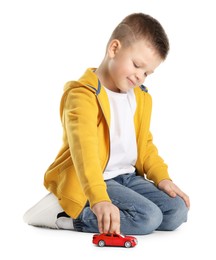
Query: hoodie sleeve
{"x": 80, "y": 119}
{"x": 154, "y": 166}
{"x": 149, "y": 162}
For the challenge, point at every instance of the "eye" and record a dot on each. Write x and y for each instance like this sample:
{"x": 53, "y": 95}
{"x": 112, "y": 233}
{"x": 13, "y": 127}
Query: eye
{"x": 135, "y": 65}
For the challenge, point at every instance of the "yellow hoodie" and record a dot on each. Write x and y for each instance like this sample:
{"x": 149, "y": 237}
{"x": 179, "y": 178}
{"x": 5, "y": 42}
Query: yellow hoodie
{"x": 76, "y": 175}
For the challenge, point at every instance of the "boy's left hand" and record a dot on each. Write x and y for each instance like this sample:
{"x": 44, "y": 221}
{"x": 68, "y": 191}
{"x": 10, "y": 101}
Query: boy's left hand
{"x": 172, "y": 190}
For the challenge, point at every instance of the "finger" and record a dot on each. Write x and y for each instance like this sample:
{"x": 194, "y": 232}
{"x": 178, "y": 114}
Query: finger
{"x": 106, "y": 223}
{"x": 186, "y": 200}
{"x": 100, "y": 224}
{"x": 115, "y": 225}
{"x": 170, "y": 191}
{"x": 183, "y": 195}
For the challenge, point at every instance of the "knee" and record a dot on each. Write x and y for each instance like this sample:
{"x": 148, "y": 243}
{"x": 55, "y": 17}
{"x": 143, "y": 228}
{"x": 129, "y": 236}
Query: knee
{"x": 151, "y": 221}
{"x": 175, "y": 216}
{"x": 143, "y": 223}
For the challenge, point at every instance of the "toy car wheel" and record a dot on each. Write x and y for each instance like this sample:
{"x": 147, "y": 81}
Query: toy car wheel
{"x": 101, "y": 243}
{"x": 127, "y": 244}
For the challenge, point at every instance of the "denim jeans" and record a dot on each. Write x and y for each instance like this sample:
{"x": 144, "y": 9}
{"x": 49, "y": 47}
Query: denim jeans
{"x": 143, "y": 207}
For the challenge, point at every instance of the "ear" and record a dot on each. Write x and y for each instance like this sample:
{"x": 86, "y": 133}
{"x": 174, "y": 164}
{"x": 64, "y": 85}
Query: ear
{"x": 113, "y": 47}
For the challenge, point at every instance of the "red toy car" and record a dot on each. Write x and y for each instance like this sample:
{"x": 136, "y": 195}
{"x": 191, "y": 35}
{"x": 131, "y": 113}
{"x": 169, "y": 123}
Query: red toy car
{"x": 114, "y": 240}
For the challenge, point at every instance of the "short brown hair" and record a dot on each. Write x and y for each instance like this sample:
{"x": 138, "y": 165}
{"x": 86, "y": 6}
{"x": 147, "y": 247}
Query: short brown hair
{"x": 139, "y": 26}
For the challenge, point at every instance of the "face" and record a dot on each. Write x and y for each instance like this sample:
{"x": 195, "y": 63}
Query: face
{"x": 129, "y": 67}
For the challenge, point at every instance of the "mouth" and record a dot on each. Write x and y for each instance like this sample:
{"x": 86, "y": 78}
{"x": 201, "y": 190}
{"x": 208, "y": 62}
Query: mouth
{"x": 131, "y": 82}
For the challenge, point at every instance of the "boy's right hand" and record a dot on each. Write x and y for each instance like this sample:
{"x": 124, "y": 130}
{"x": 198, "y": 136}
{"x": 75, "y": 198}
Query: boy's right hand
{"x": 108, "y": 217}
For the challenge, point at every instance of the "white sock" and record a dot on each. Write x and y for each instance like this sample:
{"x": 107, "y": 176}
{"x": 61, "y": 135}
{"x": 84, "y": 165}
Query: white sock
{"x": 45, "y": 212}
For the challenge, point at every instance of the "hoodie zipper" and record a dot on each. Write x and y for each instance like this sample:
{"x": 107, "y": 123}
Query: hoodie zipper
{"x": 108, "y": 132}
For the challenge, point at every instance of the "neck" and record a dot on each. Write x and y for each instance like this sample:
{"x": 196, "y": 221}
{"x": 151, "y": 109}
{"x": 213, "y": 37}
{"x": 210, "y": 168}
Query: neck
{"x": 104, "y": 77}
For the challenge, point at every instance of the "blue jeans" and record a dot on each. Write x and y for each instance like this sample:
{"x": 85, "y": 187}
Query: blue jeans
{"x": 143, "y": 207}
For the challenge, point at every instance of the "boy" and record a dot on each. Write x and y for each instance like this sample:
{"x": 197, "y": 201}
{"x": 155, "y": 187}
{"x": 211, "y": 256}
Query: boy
{"x": 108, "y": 176}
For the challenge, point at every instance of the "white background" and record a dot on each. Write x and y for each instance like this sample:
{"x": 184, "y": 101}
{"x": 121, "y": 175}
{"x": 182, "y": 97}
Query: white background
{"x": 44, "y": 44}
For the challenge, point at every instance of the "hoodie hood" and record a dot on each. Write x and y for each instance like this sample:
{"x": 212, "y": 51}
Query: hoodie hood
{"x": 88, "y": 80}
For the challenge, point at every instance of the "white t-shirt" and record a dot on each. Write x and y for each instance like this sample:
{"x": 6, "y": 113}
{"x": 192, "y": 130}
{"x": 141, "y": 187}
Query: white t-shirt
{"x": 123, "y": 147}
